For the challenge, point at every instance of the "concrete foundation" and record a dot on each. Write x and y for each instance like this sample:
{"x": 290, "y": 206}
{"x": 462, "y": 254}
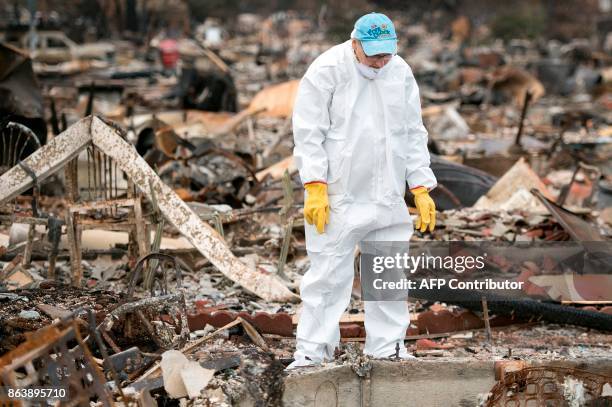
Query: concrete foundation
{"x": 439, "y": 383}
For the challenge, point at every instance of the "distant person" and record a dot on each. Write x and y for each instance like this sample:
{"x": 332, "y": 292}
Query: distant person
{"x": 169, "y": 52}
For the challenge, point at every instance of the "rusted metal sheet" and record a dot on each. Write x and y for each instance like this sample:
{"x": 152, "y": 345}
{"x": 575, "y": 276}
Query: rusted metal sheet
{"x": 47, "y": 160}
{"x": 578, "y": 229}
{"x": 130, "y": 361}
{"x": 48, "y": 361}
{"x": 176, "y": 211}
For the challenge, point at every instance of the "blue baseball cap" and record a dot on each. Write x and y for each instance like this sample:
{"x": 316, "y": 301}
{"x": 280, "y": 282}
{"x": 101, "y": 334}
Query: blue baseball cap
{"x": 376, "y": 33}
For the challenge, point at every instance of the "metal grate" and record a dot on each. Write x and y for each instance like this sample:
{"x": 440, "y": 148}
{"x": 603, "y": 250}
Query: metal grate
{"x": 543, "y": 387}
{"x": 46, "y": 359}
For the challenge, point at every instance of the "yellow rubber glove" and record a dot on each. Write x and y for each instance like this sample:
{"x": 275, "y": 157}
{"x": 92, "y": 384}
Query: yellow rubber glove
{"x": 426, "y": 208}
{"x": 316, "y": 206}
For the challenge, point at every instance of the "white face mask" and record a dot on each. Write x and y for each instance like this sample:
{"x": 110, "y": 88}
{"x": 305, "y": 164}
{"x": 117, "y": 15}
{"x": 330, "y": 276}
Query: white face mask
{"x": 367, "y": 71}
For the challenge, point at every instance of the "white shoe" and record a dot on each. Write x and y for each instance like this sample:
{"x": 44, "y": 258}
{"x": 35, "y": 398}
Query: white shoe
{"x": 407, "y": 356}
{"x": 396, "y": 356}
{"x": 296, "y": 364}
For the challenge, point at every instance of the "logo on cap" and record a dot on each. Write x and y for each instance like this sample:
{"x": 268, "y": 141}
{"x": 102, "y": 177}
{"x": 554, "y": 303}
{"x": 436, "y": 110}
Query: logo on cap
{"x": 378, "y": 32}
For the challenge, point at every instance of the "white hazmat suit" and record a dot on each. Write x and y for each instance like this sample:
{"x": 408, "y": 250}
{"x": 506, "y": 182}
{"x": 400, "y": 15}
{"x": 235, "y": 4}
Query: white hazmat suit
{"x": 365, "y": 138}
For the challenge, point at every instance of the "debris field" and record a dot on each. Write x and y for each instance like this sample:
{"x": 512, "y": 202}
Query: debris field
{"x": 151, "y": 228}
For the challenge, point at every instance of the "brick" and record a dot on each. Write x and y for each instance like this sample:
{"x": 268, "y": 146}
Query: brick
{"x": 426, "y": 344}
{"x": 412, "y": 330}
{"x": 278, "y": 324}
{"x": 606, "y": 310}
{"x": 447, "y": 321}
{"x": 352, "y": 331}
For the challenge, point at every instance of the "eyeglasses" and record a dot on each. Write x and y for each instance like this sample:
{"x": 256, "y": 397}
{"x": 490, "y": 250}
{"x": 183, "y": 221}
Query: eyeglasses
{"x": 376, "y": 58}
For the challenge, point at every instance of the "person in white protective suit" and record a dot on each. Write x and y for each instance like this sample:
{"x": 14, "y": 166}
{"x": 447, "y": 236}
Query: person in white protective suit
{"x": 359, "y": 138}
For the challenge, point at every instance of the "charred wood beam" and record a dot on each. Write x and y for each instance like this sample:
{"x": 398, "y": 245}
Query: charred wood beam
{"x": 67, "y": 146}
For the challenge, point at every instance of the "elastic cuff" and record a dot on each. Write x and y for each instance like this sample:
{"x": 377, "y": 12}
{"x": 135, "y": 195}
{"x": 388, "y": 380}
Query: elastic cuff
{"x": 315, "y": 182}
{"x": 420, "y": 186}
